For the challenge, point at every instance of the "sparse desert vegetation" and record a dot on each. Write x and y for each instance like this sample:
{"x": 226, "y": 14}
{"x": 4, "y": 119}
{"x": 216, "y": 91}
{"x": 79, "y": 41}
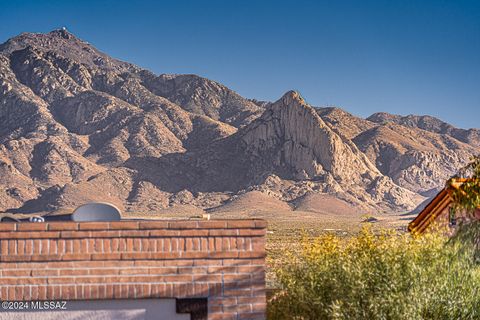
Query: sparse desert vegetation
{"x": 376, "y": 275}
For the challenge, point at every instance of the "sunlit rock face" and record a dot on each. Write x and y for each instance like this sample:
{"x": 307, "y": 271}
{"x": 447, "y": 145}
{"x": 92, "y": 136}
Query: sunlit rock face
{"x": 77, "y": 125}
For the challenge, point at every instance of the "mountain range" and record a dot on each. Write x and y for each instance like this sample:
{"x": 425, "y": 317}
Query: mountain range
{"x": 77, "y": 126}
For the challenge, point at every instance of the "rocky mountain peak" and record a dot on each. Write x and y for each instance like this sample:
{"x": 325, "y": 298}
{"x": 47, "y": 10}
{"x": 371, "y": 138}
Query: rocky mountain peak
{"x": 292, "y": 97}
{"x": 77, "y": 125}
{"x": 293, "y": 137}
{"x": 429, "y": 123}
{"x": 63, "y": 33}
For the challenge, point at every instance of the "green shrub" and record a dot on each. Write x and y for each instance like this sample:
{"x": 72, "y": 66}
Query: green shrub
{"x": 386, "y": 276}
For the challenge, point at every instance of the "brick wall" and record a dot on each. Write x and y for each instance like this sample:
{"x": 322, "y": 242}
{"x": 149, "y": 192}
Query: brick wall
{"x": 219, "y": 259}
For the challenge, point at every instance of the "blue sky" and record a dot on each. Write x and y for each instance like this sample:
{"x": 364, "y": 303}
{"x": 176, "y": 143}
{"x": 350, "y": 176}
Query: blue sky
{"x": 403, "y": 57}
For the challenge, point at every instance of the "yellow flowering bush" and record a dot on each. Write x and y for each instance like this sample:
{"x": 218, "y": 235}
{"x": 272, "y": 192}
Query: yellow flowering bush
{"x": 378, "y": 276}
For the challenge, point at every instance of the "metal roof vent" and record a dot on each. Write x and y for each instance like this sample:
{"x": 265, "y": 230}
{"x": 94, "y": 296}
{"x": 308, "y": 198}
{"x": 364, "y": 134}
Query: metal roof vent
{"x": 96, "y": 211}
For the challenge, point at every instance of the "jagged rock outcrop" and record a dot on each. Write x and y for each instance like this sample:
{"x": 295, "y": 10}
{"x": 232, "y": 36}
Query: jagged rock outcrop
{"x": 296, "y": 141}
{"x": 429, "y": 123}
{"x": 205, "y": 97}
{"x": 415, "y": 159}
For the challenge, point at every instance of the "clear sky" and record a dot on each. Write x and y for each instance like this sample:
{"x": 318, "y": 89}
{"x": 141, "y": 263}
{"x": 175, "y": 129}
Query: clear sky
{"x": 403, "y": 57}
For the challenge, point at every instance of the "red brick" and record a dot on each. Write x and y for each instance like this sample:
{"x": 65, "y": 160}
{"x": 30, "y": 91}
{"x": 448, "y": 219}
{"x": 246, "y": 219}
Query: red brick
{"x": 165, "y": 255}
{"x": 11, "y": 293}
{"x": 251, "y": 232}
{"x": 93, "y": 226}
{"x": 118, "y": 264}
{"x": 58, "y": 264}
{"x": 137, "y": 245}
{"x": 213, "y": 224}
{"x": 239, "y": 308}
{"x": 222, "y": 316}
{"x": 4, "y": 246}
{"x": 259, "y": 306}
{"x": 3, "y": 293}
{"x": 31, "y": 226}
{"x": 16, "y": 258}
{"x": 133, "y": 233}
{"x": 103, "y": 271}
{"x": 131, "y": 271}
{"x": 221, "y": 269}
{"x": 45, "y": 246}
{"x": 211, "y": 244}
{"x": 16, "y": 273}
{"x": 244, "y": 300}
{"x": 261, "y": 224}
{"x": 192, "y": 270}
{"x": 178, "y": 262}
{"x": 237, "y": 292}
{"x": 251, "y": 269}
{"x": 109, "y": 291}
{"x": 182, "y": 225}
{"x": 124, "y": 225}
{"x": 163, "y": 233}
{"x": 42, "y": 292}
{"x": 153, "y": 224}
{"x": 137, "y": 255}
{"x": 194, "y": 233}
{"x": 222, "y": 232}
{"x": 98, "y": 245}
{"x": 162, "y": 290}
{"x": 107, "y": 245}
{"x": 16, "y": 281}
{"x": 208, "y": 278}
{"x": 177, "y": 278}
{"x": 181, "y": 244}
{"x": 145, "y": 244}
{"x": 195, "y": 255}
{"x": 162, "y": 270}
{"x": 122, "y": 245}
{"x": 115, "y": 244}
{"x": 45, "y": 257}
{"x": 204, "y": 244}
{"x": 252, "y": 316}
{"x": 223, "y": 254}
{"x": 44, "y": 272}
{"x": 32, "y": 293}
{"x": 75, "y": 256}
{"x": 31, "y": 235}
{"x": 201, "y": 289}
{"x": 251, "y": 254}
{"x": 62, "y": 226}
{"x": 105, "y": 256}
{"x": 8, "y": 226}
{"x": 72, "y": 272}
{"x": 226, "y": 243}
{"x": 218, "y": 244}
{"x": 241, "y": 224}
{"x": 108, "y": 233}
{"x": 21, "y": 246}
{"x": 145, "y": 264}
{"x": 208, "y": 262}
{"x": 196, "y": 244}
{"x": 129, "y": 245}
{"x": 75, "y": 234}
{"x": 84, "y": 246}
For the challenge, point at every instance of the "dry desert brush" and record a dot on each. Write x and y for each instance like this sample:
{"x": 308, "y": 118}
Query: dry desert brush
{"x": 378, "y": 276}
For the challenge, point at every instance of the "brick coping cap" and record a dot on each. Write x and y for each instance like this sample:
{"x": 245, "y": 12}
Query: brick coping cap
{"x": 134, "y": 225}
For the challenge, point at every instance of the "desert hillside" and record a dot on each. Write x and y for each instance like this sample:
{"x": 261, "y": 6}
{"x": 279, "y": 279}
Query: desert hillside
{"x": 77, "y": 125}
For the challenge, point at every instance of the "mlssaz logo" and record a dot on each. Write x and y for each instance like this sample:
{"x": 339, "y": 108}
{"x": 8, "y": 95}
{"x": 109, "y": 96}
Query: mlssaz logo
{"x": 49, "y": 305}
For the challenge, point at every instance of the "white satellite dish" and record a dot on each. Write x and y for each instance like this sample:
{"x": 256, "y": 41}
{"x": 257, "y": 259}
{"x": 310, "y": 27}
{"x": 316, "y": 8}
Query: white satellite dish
{"x": 96, "y": 211}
